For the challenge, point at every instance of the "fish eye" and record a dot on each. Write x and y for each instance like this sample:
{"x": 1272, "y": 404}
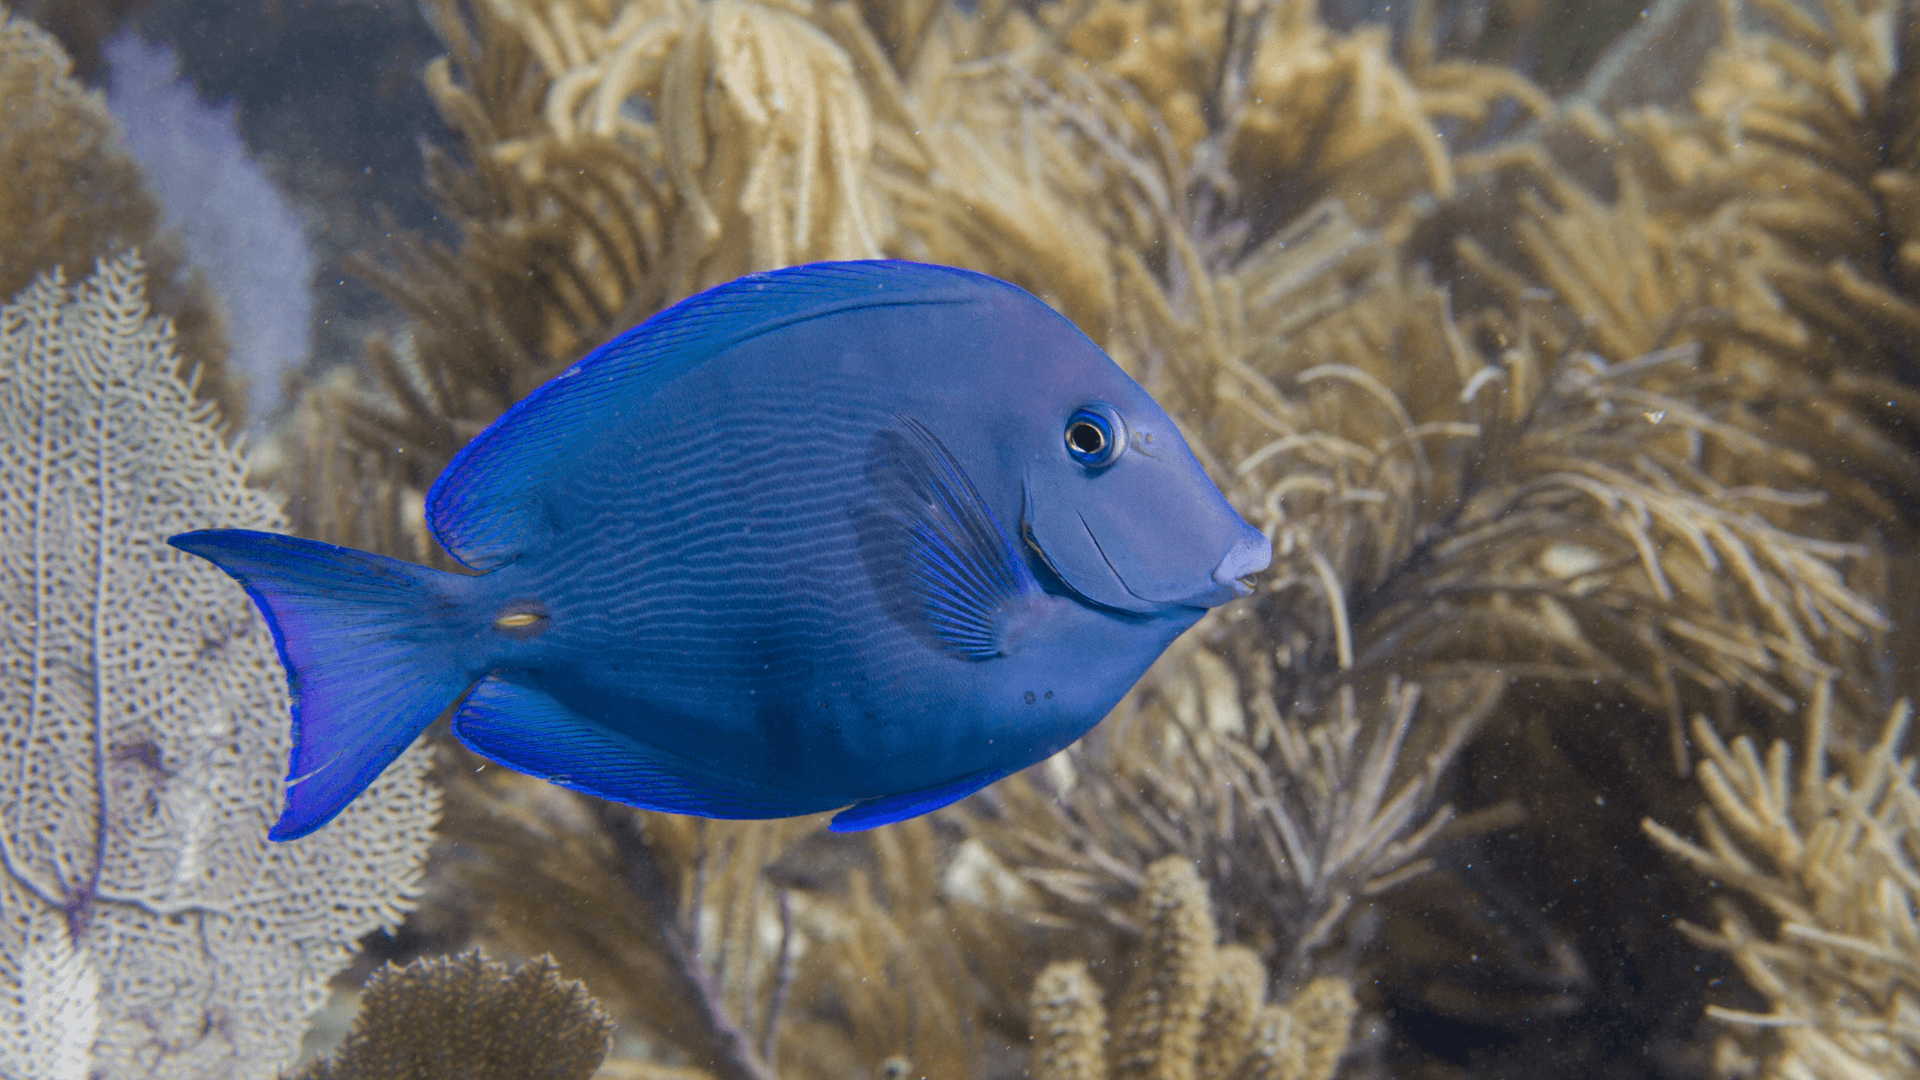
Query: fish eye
{"x": 1095, "y": 436}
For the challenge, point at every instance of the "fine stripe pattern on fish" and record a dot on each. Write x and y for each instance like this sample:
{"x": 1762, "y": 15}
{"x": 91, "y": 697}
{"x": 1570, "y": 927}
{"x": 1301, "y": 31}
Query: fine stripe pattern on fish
{"x": 867, "y": 535}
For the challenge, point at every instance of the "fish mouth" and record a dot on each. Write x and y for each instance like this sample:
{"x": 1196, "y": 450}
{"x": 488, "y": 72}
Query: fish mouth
{"x": 1232, "y": 579}
{"x": 1141, "y": 550}
{"x": 1244, "y": 562}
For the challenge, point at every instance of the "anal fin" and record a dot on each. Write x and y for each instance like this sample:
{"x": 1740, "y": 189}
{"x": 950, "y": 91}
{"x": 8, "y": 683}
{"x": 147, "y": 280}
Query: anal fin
{"x": 874, "y": 813}
{"x": 526, "y": 729}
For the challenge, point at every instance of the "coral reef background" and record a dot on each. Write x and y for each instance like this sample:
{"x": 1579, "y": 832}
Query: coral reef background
{"x": 1571, "y": 373}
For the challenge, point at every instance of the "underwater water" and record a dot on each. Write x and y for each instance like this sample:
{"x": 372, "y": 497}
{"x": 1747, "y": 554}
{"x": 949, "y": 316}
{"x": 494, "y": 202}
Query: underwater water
{"x": 1561, "y": 352}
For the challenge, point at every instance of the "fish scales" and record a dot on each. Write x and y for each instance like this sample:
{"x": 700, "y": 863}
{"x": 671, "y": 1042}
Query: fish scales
{"x": 708, "y": 510}
{"x": 706, "y": 522}
{"x": 853, "y": 535}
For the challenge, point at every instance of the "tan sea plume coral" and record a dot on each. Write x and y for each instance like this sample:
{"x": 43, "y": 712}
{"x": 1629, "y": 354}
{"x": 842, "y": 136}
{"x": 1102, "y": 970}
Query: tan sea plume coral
{"x": 740, "y": 950}
{"x": 596, "y": 187}
{"x": 595, "y": 193}
{"x": 1477, "y": 523}
{"x": 1832, "y": 859}
{"x": 672, "y": 923}
{"x": 1455, "y": 497}
{"x": 1768, "y": 225}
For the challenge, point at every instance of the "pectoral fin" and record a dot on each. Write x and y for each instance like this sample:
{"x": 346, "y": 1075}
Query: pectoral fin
{"x": 943, "y": 566}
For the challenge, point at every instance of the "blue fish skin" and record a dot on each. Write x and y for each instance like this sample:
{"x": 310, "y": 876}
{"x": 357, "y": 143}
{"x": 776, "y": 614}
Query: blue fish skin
{"x": 868, "y": 534}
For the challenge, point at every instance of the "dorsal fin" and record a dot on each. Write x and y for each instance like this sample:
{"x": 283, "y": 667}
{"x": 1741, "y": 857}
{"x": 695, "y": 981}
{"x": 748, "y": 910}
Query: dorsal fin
{"x": 482, "y": 508}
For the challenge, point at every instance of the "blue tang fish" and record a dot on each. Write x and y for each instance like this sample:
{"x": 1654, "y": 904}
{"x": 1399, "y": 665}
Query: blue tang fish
{"x": 869, "y": 535}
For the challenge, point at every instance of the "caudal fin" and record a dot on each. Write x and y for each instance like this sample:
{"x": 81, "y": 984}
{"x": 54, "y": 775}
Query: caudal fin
{"x": 370, "y": 645}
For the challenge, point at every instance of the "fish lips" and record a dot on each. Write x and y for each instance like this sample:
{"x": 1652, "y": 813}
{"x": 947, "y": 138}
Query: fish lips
{"x": 1142, "y": 537}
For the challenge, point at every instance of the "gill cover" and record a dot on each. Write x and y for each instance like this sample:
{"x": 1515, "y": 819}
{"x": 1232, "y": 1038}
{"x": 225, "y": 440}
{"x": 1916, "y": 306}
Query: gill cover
{"x": 1146, "y": 532}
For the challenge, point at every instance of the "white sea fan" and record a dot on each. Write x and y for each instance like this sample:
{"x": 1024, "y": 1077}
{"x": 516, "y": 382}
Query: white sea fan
{"x": 147, "y": 926}
{"x": 59, "y": 998}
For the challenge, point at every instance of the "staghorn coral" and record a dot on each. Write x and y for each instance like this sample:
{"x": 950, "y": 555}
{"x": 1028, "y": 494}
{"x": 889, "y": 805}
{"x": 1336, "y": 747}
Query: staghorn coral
{"x": 1830, "y": 859}
{"x": 1192, "y": 1010}
{"x": 74, "y": 195}
{"x": 149, "y": 928}
{"x": 469, "y": 1018}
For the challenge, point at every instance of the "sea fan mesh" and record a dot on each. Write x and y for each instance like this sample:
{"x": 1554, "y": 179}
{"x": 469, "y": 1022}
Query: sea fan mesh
{"x": 147, "y": 927}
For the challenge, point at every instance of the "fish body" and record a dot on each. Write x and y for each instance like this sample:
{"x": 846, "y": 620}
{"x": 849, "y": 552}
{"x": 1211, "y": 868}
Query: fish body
{"x": 865, "y": 535}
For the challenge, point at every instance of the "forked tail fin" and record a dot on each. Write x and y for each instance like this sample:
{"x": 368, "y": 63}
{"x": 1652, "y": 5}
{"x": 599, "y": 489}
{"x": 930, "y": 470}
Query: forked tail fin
{"x": 371, "y": 648}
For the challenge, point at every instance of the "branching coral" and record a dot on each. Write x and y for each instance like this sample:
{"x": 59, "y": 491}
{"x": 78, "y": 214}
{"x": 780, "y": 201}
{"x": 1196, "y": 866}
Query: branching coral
{"x": 1387, "y": 453}
{"x": 1833, "y": 861}
{"x": 1477, "y": 502}
{"x": 1439, "y": 516}
{"x": 596, "y": 192}
{"x": 597, "y": 188}
{"x": 1762, "y": 227}
{"x": 1076, "y": 179}
{"x": 1191, "y": 1010}
{"x": 919, "y": 976}
{"x": 1296, "y": 817}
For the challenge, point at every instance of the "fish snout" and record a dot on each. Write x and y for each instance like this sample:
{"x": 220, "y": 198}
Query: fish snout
{"x": 1249, "y": 555}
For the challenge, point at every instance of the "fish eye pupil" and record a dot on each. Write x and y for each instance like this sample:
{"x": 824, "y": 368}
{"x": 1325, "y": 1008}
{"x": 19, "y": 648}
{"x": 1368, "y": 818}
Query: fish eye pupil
{"x": 1095, "y": 435}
